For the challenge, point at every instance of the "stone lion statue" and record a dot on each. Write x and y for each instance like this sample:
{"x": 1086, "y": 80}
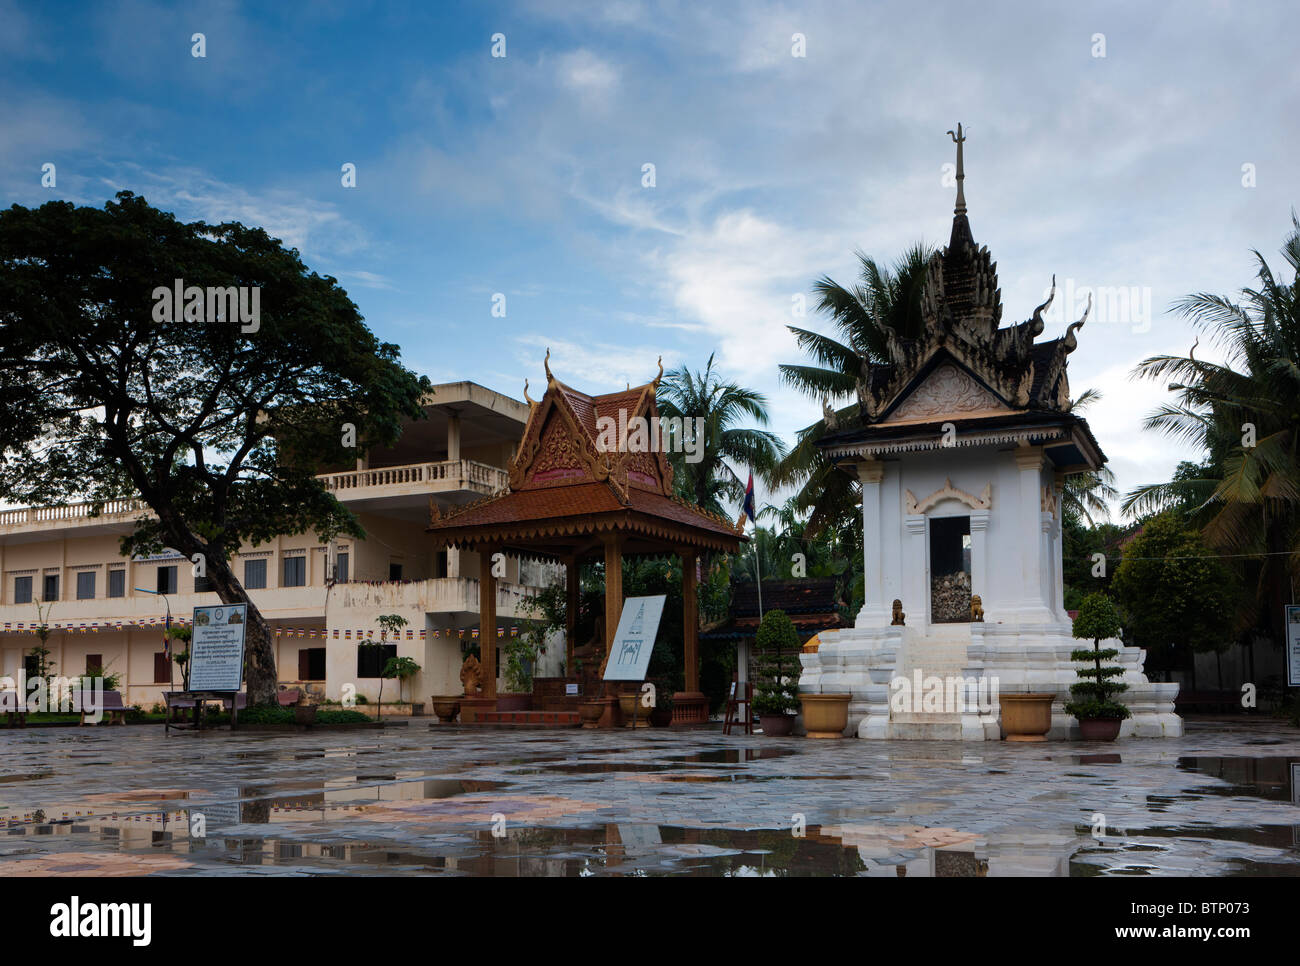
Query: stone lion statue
{"x": 471, "y": 675}
{"x": 899, "y": 617}
{"x": 976, "y": 608}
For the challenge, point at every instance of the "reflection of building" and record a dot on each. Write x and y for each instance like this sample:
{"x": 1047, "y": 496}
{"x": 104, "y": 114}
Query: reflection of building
{"x": 963, "y": 444}
{"x": 319, "y": 598}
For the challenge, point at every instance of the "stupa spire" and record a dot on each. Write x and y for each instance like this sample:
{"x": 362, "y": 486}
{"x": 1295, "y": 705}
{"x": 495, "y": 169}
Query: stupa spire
{"x": 959, "y": 139}
{"x": 961, "y": 235}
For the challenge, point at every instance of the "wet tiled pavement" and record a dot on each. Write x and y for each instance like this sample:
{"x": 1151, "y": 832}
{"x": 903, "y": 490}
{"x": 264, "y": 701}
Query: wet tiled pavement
{"x": 421, "y": 799}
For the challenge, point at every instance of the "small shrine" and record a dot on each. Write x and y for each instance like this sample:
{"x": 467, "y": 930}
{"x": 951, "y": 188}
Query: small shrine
{"x": 964, "y": 442}
{"x": 578, "y": 492}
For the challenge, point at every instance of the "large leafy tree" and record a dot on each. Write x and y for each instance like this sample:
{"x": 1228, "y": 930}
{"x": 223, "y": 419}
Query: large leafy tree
{"x": 882, "y": 298}
{"x": 712, "y": 482}
{"x": 1178, "y": 599}
{"x": 1245, "y": 412}
{"x": 218, "y": 431}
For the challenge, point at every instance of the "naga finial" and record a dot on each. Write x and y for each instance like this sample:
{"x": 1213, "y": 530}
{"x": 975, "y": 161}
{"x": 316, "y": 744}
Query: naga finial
{"x": 1191, "y": 353}
{"x": 958, "y": 138}
{"x": 531, "y": 402}
{"x": 546, "y": 364}
{"x": 661, "y": 373}
{"x": 1037, "y": 320}
{"x": 828, "y": 414}
{"x": 1070, "y": 341}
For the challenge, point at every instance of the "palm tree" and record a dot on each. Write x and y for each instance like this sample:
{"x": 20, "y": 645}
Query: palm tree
{"x": 711, "y": 482}
{"x": 882, "y": 298}
{"x": 1086, "y": 496}
{"x": 1243, "y": 411}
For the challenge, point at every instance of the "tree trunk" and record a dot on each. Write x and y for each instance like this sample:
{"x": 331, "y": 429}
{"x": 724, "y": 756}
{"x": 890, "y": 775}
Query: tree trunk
{"x": 259, "y": 652}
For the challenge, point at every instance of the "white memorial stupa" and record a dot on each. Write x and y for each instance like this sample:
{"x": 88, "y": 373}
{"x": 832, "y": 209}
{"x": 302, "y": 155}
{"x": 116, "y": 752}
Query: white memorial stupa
{"x": 964, "y": 443}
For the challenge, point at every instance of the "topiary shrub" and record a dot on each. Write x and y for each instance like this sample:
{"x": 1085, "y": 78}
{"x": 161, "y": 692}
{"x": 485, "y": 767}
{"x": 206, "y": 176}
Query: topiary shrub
{"x": 1093, "y": 695}
{"x": 777, "y": 688}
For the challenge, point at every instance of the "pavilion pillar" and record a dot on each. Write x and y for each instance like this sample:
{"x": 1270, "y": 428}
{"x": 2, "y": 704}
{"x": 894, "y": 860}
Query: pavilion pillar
{"x": 570, "y": 612}
{"x": 690, "y": 621}
{"x": 613, "y": 592}
{"x": 487, "y": 621}
{"x": 690, "y": 707}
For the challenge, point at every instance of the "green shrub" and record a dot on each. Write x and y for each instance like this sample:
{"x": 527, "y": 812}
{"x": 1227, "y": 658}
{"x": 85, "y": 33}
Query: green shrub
{"x": 777, "y": 687}
{"x": 1093, "y": 695}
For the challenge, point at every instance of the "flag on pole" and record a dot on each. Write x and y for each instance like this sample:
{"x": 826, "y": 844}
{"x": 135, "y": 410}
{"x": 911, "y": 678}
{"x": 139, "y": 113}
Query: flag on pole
{"x": 747, "y": 508}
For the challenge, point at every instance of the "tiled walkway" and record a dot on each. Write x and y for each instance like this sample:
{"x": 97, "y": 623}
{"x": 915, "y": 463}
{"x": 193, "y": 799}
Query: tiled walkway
{"x": 416, "y": 798}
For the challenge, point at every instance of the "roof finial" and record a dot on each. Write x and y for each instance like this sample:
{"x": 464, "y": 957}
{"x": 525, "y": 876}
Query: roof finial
{"x": 959, "y": 139}
{"x": 531, "y": 402}
{"x": 546, "y": 364}
{"x": 659, "y": 377}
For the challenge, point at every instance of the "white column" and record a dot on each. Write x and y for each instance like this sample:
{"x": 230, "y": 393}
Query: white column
{"x": 916, "y": 572}
{"x": 1033, "y": 558}
{"x": 979, "y": 564}
{"x": 875, "y": 609}
{"x": 453, "y": 436}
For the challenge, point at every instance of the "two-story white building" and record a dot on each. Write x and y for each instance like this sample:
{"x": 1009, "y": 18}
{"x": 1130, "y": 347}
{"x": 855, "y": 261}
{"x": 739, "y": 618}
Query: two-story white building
{"x": 106, "y": 610}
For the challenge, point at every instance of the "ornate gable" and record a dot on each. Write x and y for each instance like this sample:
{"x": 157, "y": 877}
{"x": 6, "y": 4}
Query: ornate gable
{"x": 565, "y": 441}
{"x": 949, "y": 390}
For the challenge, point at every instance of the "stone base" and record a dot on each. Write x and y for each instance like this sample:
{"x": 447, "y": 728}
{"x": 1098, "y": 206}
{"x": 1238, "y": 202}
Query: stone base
{"x": 690, "y": 709}
{"x": 471, "y": 705}
{"x": 1016, "y": 658}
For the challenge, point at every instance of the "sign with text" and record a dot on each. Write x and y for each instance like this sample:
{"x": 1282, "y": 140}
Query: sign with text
{"x": 217, "y": 647}
{"x": 1293, "y": 645}
{"x": 635, "y": 639}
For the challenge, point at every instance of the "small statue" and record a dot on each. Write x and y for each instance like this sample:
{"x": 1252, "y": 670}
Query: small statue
{"x": 976, "y": 608}
{"x": 471, "y": 675}
{"x": 899, "y": 617}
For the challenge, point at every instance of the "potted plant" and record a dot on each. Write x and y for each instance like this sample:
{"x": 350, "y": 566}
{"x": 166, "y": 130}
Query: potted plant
{"x": 777, "y": 688}
{"x": 1094, "y": 705}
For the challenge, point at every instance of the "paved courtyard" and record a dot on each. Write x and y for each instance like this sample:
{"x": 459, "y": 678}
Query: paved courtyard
{"x": 434, "y": 799}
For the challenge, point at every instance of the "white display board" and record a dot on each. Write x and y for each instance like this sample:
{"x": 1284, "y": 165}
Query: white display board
{"x": 635, "y": 639}
{"x": 217, "y": 647}
{"x": 1293, "y": 645}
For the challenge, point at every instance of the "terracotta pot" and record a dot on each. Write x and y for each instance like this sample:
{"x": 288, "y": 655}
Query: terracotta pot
{"x": 1099, "y": 729}
{"x": 776, "y": 725}
{"x": 304, "y": 714}
{"x": 446, "y": 709}
{"x": 630, "y": 705}
{"x": 825, "y": 715}
{"x": 514, "y": 702}
{"x": 1027, "y": 717}
{"x": 589, "y": 713}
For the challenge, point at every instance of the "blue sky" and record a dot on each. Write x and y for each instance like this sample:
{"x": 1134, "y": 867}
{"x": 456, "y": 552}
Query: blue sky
{"x": 523, "y": 175}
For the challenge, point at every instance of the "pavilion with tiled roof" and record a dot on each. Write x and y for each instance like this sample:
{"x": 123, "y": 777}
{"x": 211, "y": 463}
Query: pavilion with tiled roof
{"x": 578, "y": 491}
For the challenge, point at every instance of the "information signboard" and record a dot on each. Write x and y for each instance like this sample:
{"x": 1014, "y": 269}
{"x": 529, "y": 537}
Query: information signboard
{"x": 635, "y": 639}
{"x": 217, "y": 647}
